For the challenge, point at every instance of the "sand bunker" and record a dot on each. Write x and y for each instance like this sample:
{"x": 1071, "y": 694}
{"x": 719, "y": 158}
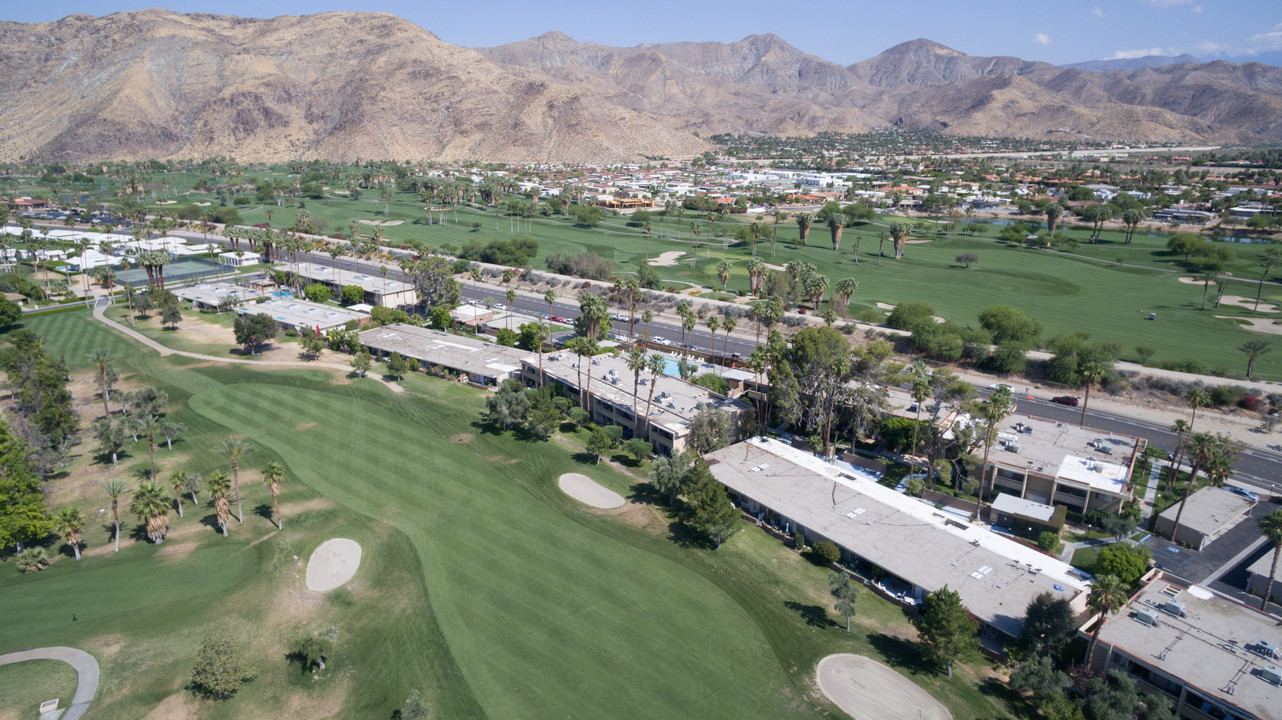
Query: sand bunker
{"x": 202, "y": 204}
{"x": 1248, "y": 303}
{"x": 384, "y": 223}
{"x": 589, "y": 492}
{"x": 888, "y": 306}
{"x": 780, "y": 268}
{"x": 1256, "y": 324}
{"x": 667, "y": 259}
{"x": 333, "y": 564}
{"x": 868, "y": 690}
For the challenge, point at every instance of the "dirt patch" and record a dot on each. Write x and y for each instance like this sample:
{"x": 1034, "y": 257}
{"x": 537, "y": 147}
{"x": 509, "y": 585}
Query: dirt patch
{"x": 305, "y": 426}
{"x": 333, "y": 564}
{"x": 462, "y": 438}
{"x": 589, "y": 492}
{"x": 865, "y": 689}
{"x": 667, "y": 259}
{"x": 319, "y": 503}
{"x": 176, "y": 551}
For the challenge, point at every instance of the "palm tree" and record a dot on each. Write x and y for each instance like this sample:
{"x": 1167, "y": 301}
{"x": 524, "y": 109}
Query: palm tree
{"x": 1108, "y": 595}
{"x": 756, "y": 273}
{"x": 919, "y": 376}
{"x": 1181, "y": 429}
{"x": 804, "y": 221}
{"x": 70, "y": 522}
{"x": 836, "y": 224}
{"x": 728, "y": 325}
{"x": 992, "y": 410}
{"x": 1254, "y": 349}
{"x": 273, "y": 476}
{"x": 899, "y": 232}
{"x": 1271, "y": 528}
{"x": 1203, "y": 449}
{"x": 815, "y": 286}
{"x": 149, "y": 426}
{"x": 107, "y": 375}
{"x": 779, "y": 216}
{"x": 1196, "y": 396}
{"x": 1132, "y": 218}
{"x": 723, "y": 273}
{"x": 636, "y": 362}
{"x": 1268, "y": 260}
{"x": 882, "y": 237}
{"x": 234, "y": 448}
{"x": 220, "y": 490}
{"x": 179, "y": 481}
{"x": 115, "y": 490}
{"x": 549, "y": 297}
{"x": 844, "y": 288}
{"x": 510, "y": 296}
{"x": 1054, "y": 212}
{"x": 1207, "y": 278}
{"x": 540, "y": 333}
{"x": 714, "y": 324}
{"x": 152, "y": 507}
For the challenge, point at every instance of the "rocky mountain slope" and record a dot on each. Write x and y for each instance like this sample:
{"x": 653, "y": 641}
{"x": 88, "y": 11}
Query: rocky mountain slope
{"x": 361, "y": 85}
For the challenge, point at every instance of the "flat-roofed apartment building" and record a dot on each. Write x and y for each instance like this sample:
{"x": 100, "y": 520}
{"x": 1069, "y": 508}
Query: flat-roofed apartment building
{"x": 378, "y": 290}
{"x": 1214, "y": 657}
{"x": 610, "y": 398}
{"x": 484, "y": 362}
{"x": 302, "y": 316}
{"x": 907, "y": 539}
{"x": 1208, "y": 514}
{"x": 1055, "y": 463}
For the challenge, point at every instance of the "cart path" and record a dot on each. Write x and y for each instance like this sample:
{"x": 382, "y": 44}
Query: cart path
{"x": 82, "y": 662}
{"x": 99, "y": 312}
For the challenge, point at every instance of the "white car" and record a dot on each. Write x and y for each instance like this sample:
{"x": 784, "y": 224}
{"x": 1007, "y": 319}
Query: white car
{"x": 500, "y": 306}
{"x": 661, "y": 340}
{"x": 999, "y": 386}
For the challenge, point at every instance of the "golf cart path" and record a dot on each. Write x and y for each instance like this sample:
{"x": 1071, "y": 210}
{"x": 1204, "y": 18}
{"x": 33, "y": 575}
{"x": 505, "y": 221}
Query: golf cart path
{"x": 82, "y": 662}
{"x": 99, "y": 312}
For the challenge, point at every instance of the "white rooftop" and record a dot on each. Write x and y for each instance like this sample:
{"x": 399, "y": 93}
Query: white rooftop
{"x": 1016, "y": 505}
{"x": 1094, "y": 473}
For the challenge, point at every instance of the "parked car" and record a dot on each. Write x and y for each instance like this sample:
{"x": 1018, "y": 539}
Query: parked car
{"x": 661, "y": 340}
{"x": 1253, "y": 497}
{"x": 500, "y": 306}
{"x": 558, "y": 319}
{"x": 999, "y": 386}
{"x": 1065, "y": 400}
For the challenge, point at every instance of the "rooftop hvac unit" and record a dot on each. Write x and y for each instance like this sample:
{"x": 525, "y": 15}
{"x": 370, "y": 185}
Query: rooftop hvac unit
{"x": 1012, "y": 446}
{"x": 1271, "y": 675}
{"x": 1266, "y": 649}
{"x": 1174, "y": 607}
{"x": 1148, "y": 616}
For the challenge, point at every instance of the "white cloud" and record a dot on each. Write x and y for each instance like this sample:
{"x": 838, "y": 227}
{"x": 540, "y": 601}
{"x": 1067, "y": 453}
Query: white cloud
{"x": 1270, "y": 40}
{"x": 1131, "y": 54}
{"x": 1196, "y": 9}
{"x": 1042, "y": 39}
{"x": 1097, "y": 12}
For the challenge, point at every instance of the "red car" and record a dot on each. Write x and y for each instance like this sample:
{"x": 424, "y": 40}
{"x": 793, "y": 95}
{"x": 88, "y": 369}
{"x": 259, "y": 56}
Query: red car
{"x": 558, "y": 319}
{"x": 1065, "y": 400}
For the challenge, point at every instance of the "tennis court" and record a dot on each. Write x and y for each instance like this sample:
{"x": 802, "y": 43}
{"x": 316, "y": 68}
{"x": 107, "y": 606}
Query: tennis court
{"x": 188, "y": 268}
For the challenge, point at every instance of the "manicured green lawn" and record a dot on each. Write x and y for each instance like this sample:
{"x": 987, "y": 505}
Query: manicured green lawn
{"x": 26, "y": 684}
{"x": 1084, "y": 559}
{"x": 481, "y": 584}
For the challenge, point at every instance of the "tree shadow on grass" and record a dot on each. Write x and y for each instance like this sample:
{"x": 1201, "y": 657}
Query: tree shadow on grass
{"x": 644, "y": 492}
{"x": 211, "y": 521}
{"x": 814, "y": 615}
{"x": 584, "y": 458}
{"x": 903, "y": 655}
{"x": 264, "y": 511}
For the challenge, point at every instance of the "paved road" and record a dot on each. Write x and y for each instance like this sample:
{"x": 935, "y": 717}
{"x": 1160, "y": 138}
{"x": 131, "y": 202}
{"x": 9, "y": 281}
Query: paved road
{"x": 82, "y": 662}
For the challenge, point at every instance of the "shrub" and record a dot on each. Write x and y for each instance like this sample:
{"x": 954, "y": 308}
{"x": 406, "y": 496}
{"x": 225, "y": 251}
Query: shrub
{"x": 1249, "y": 402}
{"x": 583, "y": 265}
{"x": 1227, "y": 394}
{"x": 1049, "y": 541}
{"x": 826, "y": 552}
{"x": 1126, "y": 562}
{"x": 291, "y": 333}
{"x": 31, "y": 560}
{"x": 798, "y": 541}
{"x": 908, "y": 314}
{"x": 317, "y": 293}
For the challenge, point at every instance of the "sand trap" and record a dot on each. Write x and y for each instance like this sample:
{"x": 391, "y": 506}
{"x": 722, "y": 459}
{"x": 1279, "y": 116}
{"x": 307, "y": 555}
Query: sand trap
{"x": 918, "y": 242}
{"x": 333, "y": 564}
{"x": 202, "y": 204}
{"x": 780, "y": 268}
{"x": 166, "y": 202}
{"x": 589, "y": 492}
{"x": 667, "y": 259}
{"x": 868, "y": 690}
{"x": 888, "y": 306}
{"x": 1248, "y": 303}
{"x": 1256, "y": 324}
{"x": 384, "y": 223}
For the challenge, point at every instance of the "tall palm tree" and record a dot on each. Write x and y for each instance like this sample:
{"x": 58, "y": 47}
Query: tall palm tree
{"x": 1254, "y": 349}
{"x": 756, "y": 273}
{"x": 836, "y": 224}
{"x": 179, "y": 481}
{"x": 152, "y": 507}
{"x": 1181, "y": 429}
{"x": 992, "y": 410}
{"x": 919, "y": 378}
{"x": 882, "y": 237}
{"x": 234, "y": 448}
{"x": 70, "y": 523}
{"x": 1204, "y": 450}
{"x": 657, "y": 366}
{"x": 723, "y": 273}
{"x": 1271, "y": 528}
{"x": 116, "y": 490}
{"x": 106, "y": 374}
{"x": 1054, "y": 212}
{"x": 636, "y": 363}
{"x": 844, "y": 288}
{"x": 1108, "y": 595}
{"x": 714, "y": 324}
{"x": 273, "y": 476}
{"x": 804, "y": 221}
{"x": 539, "y": 334}
{"x": 899, "y": 233}
{"x": 1268, "y": 259}
{"x": 728, "y": 325}
{"x": 220, "y": 491}
{"x": 149, "y": 426}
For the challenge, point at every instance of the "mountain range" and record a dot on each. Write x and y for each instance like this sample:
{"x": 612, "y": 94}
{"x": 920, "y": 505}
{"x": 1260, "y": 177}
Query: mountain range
{"x": 352, "y": 85}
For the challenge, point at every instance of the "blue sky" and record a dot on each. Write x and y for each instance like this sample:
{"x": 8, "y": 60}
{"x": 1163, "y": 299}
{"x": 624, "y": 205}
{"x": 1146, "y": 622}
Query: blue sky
{"x": 844, "y": 31}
